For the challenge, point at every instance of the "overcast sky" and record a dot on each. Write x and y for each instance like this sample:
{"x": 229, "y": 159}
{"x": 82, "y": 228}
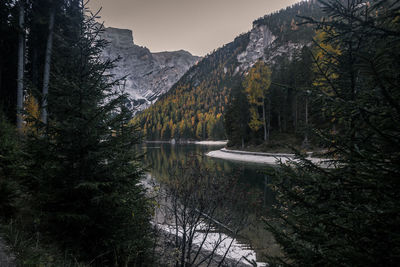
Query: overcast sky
{"x": 198, "y": 26}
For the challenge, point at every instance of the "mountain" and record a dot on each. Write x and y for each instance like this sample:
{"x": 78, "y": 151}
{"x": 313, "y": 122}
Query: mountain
{"x": 196, "y": 105}
{"x": 148, "y": 75}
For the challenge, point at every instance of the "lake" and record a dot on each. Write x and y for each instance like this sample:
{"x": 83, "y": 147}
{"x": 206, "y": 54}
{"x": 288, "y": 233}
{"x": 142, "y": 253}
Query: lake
{"x": 161, "y": 159}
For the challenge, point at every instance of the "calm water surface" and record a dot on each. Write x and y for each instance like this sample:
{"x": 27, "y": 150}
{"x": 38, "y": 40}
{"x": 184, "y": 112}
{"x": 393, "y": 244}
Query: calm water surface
{"x": 161, "y": 158}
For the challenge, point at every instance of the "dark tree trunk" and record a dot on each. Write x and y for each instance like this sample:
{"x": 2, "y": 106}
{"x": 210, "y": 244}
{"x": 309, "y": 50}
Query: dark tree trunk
{"x": 47, "y": 64}
{"x": 279, "y": 121}
{"x": 269, "y": 119}
{"x": 305, "y": 142}
{"x": 295, "y": 113}
{"x": 20, "y": 79}
{"x": 264, "y": 121}
{"x": 1, "y": 71}
{"x": 35, "y": 67}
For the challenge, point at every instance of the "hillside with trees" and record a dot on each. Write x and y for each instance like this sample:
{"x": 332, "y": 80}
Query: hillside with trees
{"x": 201, "y": 105}
{"x": 270, "y": 109}
{"x": 287, "y": 24}
{"x": 194, "y": 106}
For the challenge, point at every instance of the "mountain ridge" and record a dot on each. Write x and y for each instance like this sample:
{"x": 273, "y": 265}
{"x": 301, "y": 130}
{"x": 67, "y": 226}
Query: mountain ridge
{"x": 194, "y": 107}
{"x": 147, "y": 75}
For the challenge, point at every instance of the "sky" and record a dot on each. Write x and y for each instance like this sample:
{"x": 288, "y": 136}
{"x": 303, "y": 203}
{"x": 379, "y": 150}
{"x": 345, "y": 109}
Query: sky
{"x": 198, "y": 26}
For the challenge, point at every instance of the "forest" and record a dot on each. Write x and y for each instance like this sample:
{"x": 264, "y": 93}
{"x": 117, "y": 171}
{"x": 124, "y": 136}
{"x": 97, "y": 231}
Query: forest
{"x": 193, "y": 107}
{"x": 340, "y": 94}
{"x": 347, "y": 215}
{"x": 198, "y": 107}
{"x": 71, "y": 173}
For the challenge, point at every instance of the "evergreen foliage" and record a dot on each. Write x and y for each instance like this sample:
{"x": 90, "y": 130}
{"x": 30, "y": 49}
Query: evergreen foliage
{"x": 193, "y": 107}
{"x": 197, "y": 105}
{"x": 8, "y": 54}
{"x": 11, "y": 169}
{"x": 237, "y": 117}
{"x": 82, "y": 193}
{"x": 285, "y": 101}
{"x": 348, "y": 215}
{"x": 88, "y": 192}
{"x": 287, "y": 24}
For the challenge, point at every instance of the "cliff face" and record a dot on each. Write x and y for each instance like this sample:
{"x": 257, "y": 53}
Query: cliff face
{"x": 264, "y": 45}
{"x": 148, "y": 75}
{"x": 196, "y": 104}
{"x": 260, "y": 39}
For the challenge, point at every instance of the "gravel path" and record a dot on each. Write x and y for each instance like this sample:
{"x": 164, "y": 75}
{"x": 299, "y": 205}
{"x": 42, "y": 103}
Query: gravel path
{"x": 5, "y": 259}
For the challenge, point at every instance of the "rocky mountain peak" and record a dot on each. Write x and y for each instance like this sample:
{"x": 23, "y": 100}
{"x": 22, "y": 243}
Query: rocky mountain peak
{"x": 121, "y": 38}
{"x": 148, "y": 75}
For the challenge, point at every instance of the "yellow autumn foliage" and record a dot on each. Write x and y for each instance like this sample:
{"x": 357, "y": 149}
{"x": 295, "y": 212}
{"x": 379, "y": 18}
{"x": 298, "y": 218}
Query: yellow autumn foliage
{"x": 256, "y": 86}
{"x": 32, "y": 114}
{"x": 326, "y": 58}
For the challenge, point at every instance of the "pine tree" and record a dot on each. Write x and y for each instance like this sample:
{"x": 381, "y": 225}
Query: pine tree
{"x": 237, "y": 117}
{"x": 21, "y": 63}
{"x": 348, "y": 215}
{"x": 47, "y": 63}
{"x": 8, "y": 59}
{"x": 86, "y": 193}
{"x": 12, "y": 170}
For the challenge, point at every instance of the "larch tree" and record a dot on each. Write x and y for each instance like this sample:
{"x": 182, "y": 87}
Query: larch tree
{"x": 256, "y": 85}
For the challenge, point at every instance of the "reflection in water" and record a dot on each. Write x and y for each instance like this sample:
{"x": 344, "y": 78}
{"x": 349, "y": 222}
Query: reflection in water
{"x": 160, "y": 160}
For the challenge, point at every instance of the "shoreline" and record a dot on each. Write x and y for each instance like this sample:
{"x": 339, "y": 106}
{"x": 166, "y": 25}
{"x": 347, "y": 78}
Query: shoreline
{"x": 204, "y": 143}
{"x": 235, "y": 251}
{"x": 264, "y": 154}
{"x": 263, "y": 158}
